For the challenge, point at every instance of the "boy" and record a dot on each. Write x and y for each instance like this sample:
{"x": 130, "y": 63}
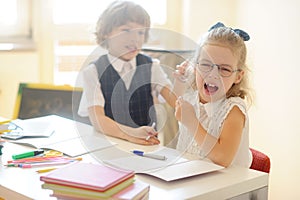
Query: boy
{"x": 119, "y": 102}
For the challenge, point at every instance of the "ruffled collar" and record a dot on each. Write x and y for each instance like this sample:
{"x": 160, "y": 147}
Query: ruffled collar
{"x": 211, "y": 107}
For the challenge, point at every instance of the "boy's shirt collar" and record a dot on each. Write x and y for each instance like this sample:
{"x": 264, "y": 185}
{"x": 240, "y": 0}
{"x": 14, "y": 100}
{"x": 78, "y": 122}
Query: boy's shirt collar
{"x": 118, "y": 63}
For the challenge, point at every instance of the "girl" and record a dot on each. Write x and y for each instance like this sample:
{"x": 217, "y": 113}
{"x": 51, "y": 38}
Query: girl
{"x": 213, "y": 119}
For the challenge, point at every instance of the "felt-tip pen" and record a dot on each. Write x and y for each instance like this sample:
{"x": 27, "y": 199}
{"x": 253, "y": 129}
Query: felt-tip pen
{"x": 27, "y": 154}
{"x": 153, "y": 126}
{"x": 148, "y": 155}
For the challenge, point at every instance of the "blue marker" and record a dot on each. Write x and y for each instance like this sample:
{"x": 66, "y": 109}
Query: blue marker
{"x": 1, "y": 146}
{"x": 154, "y": 156}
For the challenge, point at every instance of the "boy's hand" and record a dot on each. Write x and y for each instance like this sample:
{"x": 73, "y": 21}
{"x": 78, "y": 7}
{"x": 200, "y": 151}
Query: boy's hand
{"x": 150, "y": 141}
{"x": 145, "y": 135}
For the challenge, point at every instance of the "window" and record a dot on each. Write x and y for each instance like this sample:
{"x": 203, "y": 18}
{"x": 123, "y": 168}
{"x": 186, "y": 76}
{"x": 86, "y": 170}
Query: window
{"x": 88, "y": 11}
{"x": 15, "y": 22}
{"x": 73, "y": 32}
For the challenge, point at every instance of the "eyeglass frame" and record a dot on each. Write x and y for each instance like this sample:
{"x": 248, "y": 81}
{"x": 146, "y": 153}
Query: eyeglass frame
{"x": 219, "y": 66}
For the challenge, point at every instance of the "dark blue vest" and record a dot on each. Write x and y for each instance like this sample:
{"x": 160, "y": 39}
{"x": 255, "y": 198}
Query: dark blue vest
{"x": 132, "y": 107}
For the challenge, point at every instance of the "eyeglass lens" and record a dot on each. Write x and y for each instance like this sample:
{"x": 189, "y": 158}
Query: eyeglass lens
{"x": 223, "y": 69}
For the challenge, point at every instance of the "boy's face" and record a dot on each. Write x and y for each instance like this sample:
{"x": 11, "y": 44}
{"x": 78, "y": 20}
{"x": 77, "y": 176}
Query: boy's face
{"x": 126, "y": 41}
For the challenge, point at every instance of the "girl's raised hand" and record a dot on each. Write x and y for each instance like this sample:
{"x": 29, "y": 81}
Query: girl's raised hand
{"x": 183, "y": 71}
{"x": 184, "y": 111}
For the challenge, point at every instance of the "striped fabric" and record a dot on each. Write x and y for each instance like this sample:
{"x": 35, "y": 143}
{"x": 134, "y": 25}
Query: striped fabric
{"x": 133, "y": 106}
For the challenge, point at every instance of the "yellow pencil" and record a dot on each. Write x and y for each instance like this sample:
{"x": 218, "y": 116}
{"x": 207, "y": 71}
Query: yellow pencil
{"x": 5, "y": 121}
{"x": 4, "y": 126}
{"x": 5, "y": 131}
{"x": 46, "y": 170}
{"x": 53, "y": 168}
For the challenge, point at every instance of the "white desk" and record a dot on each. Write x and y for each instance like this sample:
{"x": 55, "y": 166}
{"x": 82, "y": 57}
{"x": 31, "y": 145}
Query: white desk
{"x": 230, "y": 183}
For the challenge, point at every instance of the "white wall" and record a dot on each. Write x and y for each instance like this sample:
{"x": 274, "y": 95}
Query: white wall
{"x": 15, "y": 68}
{"x": 274, "y": 28}
{"x": 28, "y": 66}
{"x": 199, "y": 15}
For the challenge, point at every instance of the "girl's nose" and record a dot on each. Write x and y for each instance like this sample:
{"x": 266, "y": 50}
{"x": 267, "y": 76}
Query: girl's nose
{"x": 214, "y": 73}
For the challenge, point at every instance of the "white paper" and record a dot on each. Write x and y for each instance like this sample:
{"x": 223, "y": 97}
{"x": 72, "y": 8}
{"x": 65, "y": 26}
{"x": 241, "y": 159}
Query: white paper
{"x": 174, "y": 168}
{"x": 184, "y": 170}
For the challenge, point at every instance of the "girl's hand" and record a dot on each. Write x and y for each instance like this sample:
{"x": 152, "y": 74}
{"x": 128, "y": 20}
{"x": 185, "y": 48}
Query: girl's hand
{"x": 183, "y": 76}
{"x": 182, "y": 71}
{"x": 184, "y": 111}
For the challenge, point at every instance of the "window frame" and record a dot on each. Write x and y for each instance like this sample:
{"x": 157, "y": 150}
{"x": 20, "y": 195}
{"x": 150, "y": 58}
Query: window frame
{"x": 18, "y": 35}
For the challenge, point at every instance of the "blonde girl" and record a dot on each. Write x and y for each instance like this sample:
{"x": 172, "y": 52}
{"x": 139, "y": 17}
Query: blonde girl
{"x": 213, "y": 119}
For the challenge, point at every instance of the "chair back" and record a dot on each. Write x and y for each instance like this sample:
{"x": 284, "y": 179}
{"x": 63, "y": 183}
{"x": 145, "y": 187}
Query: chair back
{"x": 260, "y": 161}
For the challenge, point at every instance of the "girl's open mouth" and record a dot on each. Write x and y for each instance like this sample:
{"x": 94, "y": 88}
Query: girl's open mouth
{"x": 210, "y": 88}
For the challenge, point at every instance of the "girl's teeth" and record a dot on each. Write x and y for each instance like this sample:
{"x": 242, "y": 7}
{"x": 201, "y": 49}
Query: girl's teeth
{"x": 210, "y": 85}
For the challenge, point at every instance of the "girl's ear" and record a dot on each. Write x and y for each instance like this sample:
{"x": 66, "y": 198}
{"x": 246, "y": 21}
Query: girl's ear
{"x": 239, "y": 77}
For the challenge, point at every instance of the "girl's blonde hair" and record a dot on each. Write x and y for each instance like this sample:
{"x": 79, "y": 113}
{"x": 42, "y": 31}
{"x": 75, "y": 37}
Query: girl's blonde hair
{"x": 227, "y": 37}
{"x": 117, "y": 14}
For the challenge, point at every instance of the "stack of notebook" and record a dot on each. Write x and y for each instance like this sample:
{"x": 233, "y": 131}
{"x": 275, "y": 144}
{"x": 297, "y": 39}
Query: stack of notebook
{"x": 94, "y": 181}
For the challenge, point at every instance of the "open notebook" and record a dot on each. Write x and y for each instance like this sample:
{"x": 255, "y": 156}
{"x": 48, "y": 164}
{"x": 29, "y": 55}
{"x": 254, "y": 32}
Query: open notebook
{"x": 18, "y": 129}
{"x": 173, "y": 168}
{"x": 60, "y": 134}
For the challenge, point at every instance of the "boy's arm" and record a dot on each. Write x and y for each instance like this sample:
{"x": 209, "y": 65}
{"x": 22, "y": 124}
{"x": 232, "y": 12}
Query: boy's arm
{"x": 106, "y": 125}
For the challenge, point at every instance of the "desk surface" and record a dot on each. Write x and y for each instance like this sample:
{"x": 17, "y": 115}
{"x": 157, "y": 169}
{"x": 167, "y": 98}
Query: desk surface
{"x": 17, "y": 183}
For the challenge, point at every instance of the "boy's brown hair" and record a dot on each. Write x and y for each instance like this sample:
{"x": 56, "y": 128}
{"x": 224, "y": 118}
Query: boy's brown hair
{"x": 117, "y": 14}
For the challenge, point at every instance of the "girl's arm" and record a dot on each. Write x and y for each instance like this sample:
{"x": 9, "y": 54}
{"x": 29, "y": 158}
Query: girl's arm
{"x": 227, "y": 144}
{"x": 106, "y": 125}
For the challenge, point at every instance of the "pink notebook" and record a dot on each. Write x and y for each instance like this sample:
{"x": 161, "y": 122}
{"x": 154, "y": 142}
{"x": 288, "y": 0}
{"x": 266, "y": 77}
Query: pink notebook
{"x": 88, "y": 176}
{"x": 137, "y": 190}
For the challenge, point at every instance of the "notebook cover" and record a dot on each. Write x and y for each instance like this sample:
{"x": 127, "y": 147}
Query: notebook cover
{"x": 137, "y": 190}
{"x": 63, "y": 196}
{"x": 88, "y": 176}
{"x": 86, "y": 193}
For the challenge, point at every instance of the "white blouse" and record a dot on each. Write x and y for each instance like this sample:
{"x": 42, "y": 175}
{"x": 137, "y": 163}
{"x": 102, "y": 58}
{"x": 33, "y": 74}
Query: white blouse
{"x": 212, "y": 116}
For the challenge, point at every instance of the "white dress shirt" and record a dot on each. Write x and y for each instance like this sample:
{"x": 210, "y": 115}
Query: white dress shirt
{"x": 92, "y": 94}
